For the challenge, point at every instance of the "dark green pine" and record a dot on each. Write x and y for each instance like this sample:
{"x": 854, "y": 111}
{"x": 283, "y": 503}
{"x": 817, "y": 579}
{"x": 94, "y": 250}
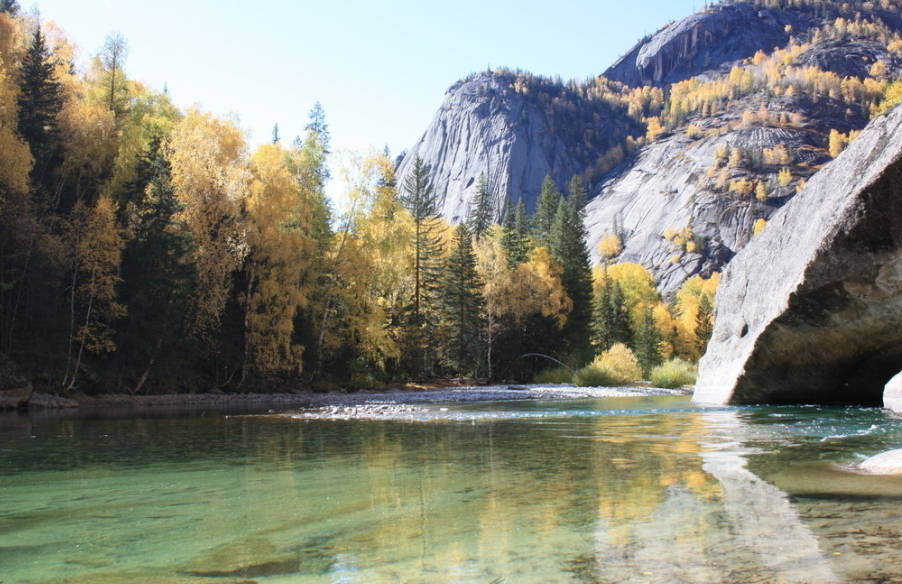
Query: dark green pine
{"x": 463, "y": 308}
{"x": 648, "y": 342}
{"x": 546, "y": 209}
{"x": 567, "y": 244}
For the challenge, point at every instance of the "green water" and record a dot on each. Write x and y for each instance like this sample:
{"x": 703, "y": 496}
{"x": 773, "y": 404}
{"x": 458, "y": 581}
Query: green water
{"x": 621, "y": 490}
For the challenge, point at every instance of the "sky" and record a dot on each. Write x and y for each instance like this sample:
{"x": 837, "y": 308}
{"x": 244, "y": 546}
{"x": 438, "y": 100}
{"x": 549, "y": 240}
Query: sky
{"x": 379, "y": 69}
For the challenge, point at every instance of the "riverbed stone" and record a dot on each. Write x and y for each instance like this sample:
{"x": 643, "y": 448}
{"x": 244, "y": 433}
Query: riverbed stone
{"x": 811, "y": 310}
{"x": 884, "y": 463}
{"x": 46, "y": 401}
{"x": 11, "y": 399}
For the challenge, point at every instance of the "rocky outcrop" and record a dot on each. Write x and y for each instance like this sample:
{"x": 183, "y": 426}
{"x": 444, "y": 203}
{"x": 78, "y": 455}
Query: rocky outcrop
{"x": 11, "y": 399}
{"x": 485, "y": 127}
{"x": 706, "y": 40}
{"x": 663, "y": 188}
{"x": 811, "y": 310}
{"x": 892, "y": 394}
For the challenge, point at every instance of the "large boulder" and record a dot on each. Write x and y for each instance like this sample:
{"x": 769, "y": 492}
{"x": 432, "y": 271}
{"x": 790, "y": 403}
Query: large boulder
{"x": 811, "y": 309}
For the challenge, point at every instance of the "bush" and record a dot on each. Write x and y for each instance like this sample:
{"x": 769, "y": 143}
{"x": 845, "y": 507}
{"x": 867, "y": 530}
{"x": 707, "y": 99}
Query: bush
{"x": 595, "y": 376}
{"x": 556, "y": 376}
{"x": 620, "y": 364}
{"x": 675, "y": 373}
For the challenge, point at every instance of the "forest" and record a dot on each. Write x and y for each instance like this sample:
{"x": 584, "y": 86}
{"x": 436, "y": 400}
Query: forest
{"x": 146, "y": 248}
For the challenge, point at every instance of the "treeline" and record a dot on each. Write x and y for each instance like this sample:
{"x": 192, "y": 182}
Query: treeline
{"x": 148, "y": 249}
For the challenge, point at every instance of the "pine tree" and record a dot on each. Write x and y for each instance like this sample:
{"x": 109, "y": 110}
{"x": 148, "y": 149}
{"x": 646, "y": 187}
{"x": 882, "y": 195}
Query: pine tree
{"x": 612, "y": 319}
{"x": 578, "y": 195}
{"x": 546, "y": 208}
{"x": 40, "y": 102}
{"x": 418, "y": 197}
{"x": 567, "y": 244}
{"x": 463, "y": 307}
{"x": 648, "y": 342}
{"x": 514, "y": 238}
{"x": 481, "y": 208}
{"x": 157, "y": 276}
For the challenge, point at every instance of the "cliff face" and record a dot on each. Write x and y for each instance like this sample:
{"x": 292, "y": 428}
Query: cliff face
{"x": 516, "y": 129}
{"x": 824, "y": 321}
{"x": 706, "y": 40}
{"x": 664, "y": 188}
{"x": 486, "y": 127}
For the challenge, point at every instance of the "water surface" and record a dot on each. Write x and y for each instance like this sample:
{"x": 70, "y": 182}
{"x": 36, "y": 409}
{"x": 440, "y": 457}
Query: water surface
{"x": 617, "y": 490}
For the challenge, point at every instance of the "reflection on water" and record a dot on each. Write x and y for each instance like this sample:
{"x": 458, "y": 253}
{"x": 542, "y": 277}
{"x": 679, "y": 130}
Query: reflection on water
{"x": 621, "y": 490}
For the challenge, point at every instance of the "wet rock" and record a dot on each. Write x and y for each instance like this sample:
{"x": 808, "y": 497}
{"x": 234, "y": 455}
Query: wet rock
{"x": 827, "y": 480}
{"x": 44, "y": 401}
{"x": 811, "y": 309}
{"x": 11, "y": 399}
{"x": 884, "y": 463}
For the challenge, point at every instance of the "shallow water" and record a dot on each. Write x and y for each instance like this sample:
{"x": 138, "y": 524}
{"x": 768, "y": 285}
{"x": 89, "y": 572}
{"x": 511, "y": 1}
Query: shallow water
{"x": 619, "y": 490}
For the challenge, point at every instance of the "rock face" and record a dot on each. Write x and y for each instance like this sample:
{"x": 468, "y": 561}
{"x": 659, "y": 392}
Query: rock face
{"x": 486, "y": 127}
{"x": 661, "y": 189}
{"x": 709, "y": 38}
{"x": 811, "y": 310}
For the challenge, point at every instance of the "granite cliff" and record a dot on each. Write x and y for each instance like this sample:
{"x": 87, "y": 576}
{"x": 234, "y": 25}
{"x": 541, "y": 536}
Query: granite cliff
{"x": 824, "y": 322}
{"x": 710, "y": 173}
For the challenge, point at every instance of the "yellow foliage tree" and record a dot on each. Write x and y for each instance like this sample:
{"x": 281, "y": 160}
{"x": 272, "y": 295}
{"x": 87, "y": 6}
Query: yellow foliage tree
{"x": 209, "y": 178}
{"x": 279, "y": 252}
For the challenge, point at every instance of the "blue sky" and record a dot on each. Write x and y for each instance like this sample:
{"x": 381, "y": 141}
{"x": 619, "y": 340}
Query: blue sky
{"x": 380, "y": 69}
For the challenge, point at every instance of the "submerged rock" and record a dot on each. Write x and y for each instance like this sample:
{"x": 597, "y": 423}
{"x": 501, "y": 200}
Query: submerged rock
{"x": 248, "y": 558}
{"x": 811, "y": 309}
{"x": 884, "y": 463}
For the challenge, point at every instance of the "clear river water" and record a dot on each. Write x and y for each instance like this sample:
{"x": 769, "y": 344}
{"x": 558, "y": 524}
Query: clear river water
{"x": 653, "y": 490}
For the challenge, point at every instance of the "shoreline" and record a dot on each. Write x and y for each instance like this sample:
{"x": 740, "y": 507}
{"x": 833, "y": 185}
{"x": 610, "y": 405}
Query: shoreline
{"x": 465, "y": 394}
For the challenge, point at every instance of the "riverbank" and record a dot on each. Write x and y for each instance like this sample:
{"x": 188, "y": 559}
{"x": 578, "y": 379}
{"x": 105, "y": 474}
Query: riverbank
{"x": 391, "y": 397}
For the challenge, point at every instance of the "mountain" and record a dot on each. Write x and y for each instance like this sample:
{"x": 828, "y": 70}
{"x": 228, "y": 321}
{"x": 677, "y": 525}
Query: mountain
{"x": 691, "y": 141}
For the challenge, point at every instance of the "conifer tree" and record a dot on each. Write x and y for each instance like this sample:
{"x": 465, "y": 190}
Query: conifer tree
{"x": 648, "y": 342}
{"x": 112, "y": 61}
{"x": 481, "y": 208}
{"x": 514, "y": 238}
{"x": 418, "y": 197}
{"x": 612, "y": 319}
{"x": 40, "y": 102}
{"x": 567, "y": 244}
{"x": 578, "y": 195}
{"x": 546, "y": 208}
{"x": 157, "y": 276}
{"x": 462, "y": 307}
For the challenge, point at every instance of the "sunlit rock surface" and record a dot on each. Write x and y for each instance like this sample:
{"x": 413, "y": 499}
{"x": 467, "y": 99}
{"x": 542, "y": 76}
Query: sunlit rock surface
{"x": 484, "y": 127}
{"x": 720, "y": 34}
{"x": 811, "y": 309}
{"x": 884, "y": 463}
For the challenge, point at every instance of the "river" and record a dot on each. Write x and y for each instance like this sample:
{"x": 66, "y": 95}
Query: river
{"x": 653, "y": 490}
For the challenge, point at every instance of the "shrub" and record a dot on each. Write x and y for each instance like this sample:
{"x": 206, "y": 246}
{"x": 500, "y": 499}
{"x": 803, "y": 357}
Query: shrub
{"x": 594, "y": 376}
{"x": 620, "y": 364}
{"x": 675, "y": 373}
{"x": 555, "y": 376}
